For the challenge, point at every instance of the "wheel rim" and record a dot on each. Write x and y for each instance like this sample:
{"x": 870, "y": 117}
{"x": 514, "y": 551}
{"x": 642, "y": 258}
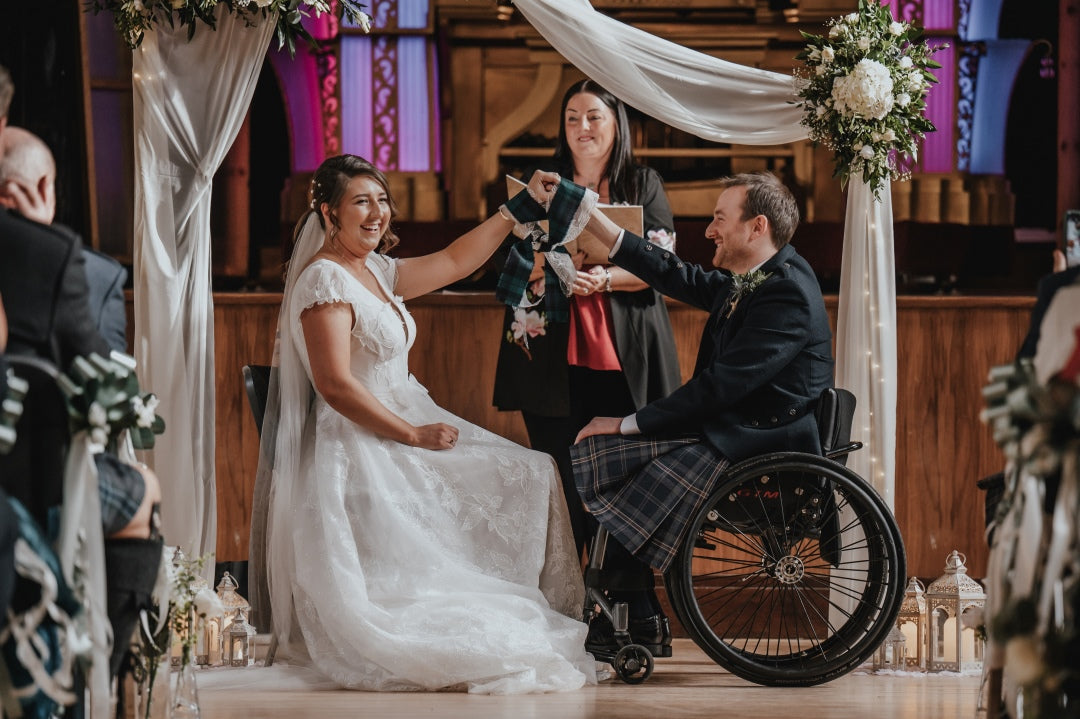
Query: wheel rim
{"x": 756, "y": 584}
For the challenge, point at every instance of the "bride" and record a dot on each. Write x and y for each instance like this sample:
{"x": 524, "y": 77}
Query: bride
{"x": 406, "y": 549}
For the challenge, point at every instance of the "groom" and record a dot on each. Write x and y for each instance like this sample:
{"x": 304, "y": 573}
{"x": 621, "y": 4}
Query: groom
{"x": 764, "y": 358}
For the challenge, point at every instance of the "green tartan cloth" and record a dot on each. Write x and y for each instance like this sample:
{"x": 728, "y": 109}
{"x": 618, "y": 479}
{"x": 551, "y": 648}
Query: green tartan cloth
{"x": 514, "y": 278}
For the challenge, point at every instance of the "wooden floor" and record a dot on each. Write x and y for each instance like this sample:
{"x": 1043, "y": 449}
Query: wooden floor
{"x": 687, "y": 685}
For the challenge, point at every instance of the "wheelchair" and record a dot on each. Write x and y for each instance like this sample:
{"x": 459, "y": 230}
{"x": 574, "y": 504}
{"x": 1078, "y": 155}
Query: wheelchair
{"x": 790, "y": 574}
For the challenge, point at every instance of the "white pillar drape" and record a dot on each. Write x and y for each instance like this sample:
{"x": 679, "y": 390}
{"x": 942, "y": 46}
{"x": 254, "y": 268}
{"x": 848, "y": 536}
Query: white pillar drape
{"x": 866, "y": 333}
{"x": 725, "y": 102}
{"x": 190, "y": 98}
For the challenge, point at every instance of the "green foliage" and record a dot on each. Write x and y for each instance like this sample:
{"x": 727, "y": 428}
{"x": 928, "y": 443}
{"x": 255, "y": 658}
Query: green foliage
{"x": 104, "y": 400}
{"x": 133, "y": 18}
{"x": 863, "y": 91}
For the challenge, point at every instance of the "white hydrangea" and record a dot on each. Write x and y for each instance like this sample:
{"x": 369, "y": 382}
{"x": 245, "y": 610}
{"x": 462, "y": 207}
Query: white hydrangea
{"x": 865, "y": 92}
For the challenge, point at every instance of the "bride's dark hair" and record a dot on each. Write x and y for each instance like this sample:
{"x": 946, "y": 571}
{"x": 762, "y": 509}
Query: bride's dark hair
{"x": 329, "y": 183}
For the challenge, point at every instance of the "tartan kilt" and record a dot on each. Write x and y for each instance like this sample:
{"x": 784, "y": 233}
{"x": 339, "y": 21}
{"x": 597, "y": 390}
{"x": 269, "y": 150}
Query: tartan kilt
{"x": 646, "y": 490}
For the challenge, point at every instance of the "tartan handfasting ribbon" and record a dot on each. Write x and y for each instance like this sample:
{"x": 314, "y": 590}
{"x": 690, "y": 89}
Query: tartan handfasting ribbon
{"x": 567, "y": 214}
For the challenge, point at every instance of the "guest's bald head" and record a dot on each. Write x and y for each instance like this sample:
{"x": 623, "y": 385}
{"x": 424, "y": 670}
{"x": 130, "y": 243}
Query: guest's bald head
{"x": 26, "y": 161}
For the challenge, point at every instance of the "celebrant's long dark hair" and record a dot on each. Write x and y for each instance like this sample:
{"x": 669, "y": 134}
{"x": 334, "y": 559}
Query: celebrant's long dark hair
{"x": 620, "y": 172}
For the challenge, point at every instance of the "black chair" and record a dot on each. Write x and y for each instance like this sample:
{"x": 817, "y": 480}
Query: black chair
{"x": 33, "y": 471}
{"x": 257, "y": 384}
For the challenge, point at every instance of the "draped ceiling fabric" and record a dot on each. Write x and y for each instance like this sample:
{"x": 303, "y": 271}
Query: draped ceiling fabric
{"x": 724, "y": 102}
{"x": 190, "y": 98}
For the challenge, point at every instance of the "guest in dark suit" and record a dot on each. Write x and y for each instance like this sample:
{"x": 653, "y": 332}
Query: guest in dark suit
{"x": 1062, "y": 276}
{"x": 44, "y": 281}
{"x": 765, "y": 357}
{"x": 105, "y": 278}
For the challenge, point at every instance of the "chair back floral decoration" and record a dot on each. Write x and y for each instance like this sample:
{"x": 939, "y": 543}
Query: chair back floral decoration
{"x": 104, "y": 399}
{"x": 134, "y": 17}
{"x": 863, "y": 93}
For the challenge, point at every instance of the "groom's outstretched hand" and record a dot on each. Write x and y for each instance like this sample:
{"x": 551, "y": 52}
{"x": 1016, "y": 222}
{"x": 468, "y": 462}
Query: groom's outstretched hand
{"x": 600, "y": 425}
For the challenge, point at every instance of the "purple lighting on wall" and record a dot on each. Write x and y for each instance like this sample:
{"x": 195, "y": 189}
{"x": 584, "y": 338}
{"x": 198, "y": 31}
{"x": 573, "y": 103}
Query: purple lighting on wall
{"x": 937, "y": 149}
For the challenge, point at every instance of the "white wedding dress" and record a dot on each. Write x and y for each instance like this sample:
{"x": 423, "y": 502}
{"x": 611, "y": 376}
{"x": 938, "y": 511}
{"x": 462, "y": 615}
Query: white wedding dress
{"x": 414, "y": 569}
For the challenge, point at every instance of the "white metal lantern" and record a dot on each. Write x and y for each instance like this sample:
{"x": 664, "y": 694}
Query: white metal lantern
{"x": 239, "y": 642}
{"x": 892, "y": 652}
{"x": 912, "y": 622}
{"x": 952, "y": 647}
{"x": 231, "y": 601}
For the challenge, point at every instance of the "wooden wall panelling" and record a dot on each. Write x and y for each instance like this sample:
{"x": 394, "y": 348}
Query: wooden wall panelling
{"x": 947, "y": 346}
{"x": 244, "y": 326}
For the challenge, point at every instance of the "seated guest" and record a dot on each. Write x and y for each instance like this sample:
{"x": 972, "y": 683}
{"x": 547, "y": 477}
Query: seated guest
{"x": 44, "y": 280}
{"x": 765, "y": 357}
{"x": 28, "y": 161}
{"x": 1062, "y": 276}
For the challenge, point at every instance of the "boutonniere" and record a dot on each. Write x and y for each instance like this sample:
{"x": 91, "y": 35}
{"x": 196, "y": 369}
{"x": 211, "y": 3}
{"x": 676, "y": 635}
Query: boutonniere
{"x": 742, "y": 285}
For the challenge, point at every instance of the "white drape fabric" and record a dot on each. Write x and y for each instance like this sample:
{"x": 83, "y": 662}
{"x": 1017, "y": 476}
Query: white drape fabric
{"x": 724, "y": 102}
{"x": 190, "y": 100}
{"x": 80, "y": 547}
{"x": 703, "y": 95}
{"x": 866, "y": 333}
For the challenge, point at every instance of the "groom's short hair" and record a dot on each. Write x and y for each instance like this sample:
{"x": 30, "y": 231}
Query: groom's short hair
{"x": 766, "y": 195}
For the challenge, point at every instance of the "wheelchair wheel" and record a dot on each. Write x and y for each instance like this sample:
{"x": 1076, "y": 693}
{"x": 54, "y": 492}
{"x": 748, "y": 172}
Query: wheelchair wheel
{"x": 633, "y": 664}
{"x": 792, "y": 572}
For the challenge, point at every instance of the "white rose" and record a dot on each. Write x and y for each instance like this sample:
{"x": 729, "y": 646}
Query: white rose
{"x": 875, "y": 136}
{"x": 96, "y": 415}
{"x": 208, "y": 605}
{"x": 834, "y": 31}
{"x": 889, "y": 136}
{"x": 815, "y": 54}
{"x": 865, "y": 92}
{"x": 896, "y": 28}
{"x": 863, "y": 43}
{"x": 867, "y": 152}
{"x": 915, "y": 81}
{"x": 903, "y": 99}
{"x": 852, "y": 18}
{"x": 905, "y": 62}
{"x": 264, "y": 3}
{"x": 827, "y": 54}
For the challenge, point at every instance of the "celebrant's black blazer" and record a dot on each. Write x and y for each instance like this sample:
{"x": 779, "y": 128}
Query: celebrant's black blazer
{"x": 759, "y": 371}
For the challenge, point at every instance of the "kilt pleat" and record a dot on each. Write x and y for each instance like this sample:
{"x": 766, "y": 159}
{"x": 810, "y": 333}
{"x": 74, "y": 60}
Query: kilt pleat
{"x": 646, "y": 490}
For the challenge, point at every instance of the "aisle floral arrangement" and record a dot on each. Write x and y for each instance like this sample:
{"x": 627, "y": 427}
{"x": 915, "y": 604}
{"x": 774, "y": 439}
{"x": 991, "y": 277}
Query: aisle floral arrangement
{"x": 182, "y": 604}
{"x": 133, "y": 18}
{"x": 104, "y": 399}
{"x": 864, "y": 92}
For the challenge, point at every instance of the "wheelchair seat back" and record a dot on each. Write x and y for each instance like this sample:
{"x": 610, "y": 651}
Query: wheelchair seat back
{"x": 774, "y": 497}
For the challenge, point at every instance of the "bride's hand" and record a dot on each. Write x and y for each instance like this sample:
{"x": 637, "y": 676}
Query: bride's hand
{"x": 542, "y": 186}
{"x": 436, "y": 436}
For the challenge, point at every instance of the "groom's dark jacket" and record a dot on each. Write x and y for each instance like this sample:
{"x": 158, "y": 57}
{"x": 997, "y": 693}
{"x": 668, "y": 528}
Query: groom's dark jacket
{"x": 760, "y": 371}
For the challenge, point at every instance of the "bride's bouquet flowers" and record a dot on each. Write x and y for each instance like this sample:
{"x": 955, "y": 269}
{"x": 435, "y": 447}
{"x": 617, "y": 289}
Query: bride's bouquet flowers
{"x": 133, "y": 18}
{"x": 863, "y": 92}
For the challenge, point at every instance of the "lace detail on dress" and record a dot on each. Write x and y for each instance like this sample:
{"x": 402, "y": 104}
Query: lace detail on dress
{"x": 421, "y": 569}
{"x": 321, "y": 282}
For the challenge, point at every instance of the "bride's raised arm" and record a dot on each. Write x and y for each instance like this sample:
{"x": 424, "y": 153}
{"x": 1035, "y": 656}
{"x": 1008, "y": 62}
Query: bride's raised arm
{"x": 421, "y": 275}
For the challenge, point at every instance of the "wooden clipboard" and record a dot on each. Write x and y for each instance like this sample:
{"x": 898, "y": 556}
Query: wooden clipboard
{"x": 628, "y": 217}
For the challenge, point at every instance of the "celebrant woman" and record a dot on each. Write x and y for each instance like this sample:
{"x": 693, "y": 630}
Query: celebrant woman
{"x": 406, "y": 548}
